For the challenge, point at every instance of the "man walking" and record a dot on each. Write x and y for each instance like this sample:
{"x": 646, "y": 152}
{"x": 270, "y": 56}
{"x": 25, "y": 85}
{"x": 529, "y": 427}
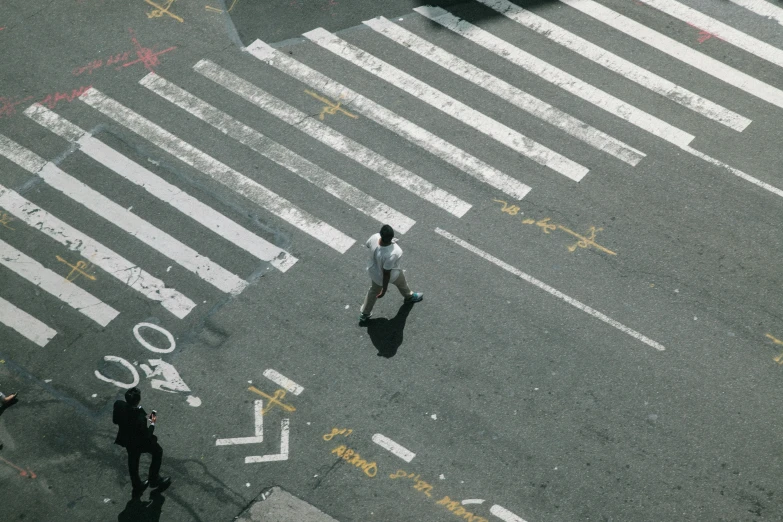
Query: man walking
{"x": 384, "y": 268}
{"x": 137, "y": 437}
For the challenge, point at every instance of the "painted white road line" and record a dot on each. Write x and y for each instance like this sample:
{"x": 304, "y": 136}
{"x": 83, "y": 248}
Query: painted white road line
{"x": 158, "y": 187}
{"x": 126, "y": 272}
{"x": 545, "y": 287}
{"x": 450, "y": 106}
{"x": 435, "y": 145}
{"x": 56, "y": 284}
{"x": 560, "y": 78}
{"x": 152, "y": 236}
{"x": 339, "y": 142}
{"x": 283, "y": 381}
{"x": 218, "y": 171}
{"x": 469, "y": 501}
{"x": 725, "y": 32}
{"x": 258, "y": 407}
{"x": 25, "y": 324}
{"x": 763, "y": 8}
{"x": 504, "y": 514}
{"x": 535, "y": 106}
{"x": 281, "y": 155}
{"x": 621, "y": 66}
{"x": 389, "y": 445}
{"x": 283, "y": 455}
{"x": 681, "y": 52}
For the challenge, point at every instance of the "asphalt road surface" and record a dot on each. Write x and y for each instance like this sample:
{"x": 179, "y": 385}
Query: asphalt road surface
{"x": 589, "y": 194}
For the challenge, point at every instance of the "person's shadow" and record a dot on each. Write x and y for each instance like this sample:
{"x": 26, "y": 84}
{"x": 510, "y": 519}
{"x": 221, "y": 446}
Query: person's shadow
{"x": 386, "y": 334}
{"x": 137, "y": 510}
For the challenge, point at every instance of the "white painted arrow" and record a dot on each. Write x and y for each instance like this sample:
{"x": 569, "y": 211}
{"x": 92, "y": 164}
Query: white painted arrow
{"x": 259, "y": 404}
{"x": 283, "y": 455}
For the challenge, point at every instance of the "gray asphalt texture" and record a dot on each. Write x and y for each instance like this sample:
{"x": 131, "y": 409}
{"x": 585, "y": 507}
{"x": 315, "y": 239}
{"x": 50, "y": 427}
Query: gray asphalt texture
{"x": 505, "y": 393}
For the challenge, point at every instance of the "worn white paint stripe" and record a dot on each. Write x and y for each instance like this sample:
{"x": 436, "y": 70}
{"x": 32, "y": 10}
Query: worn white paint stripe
{"x": 154, "y": 237}
{"x": 258, "y": 407}
{"x": 339, "y": 142}
{"x": 283, "y": 455}
{"x": 727, "y": 33}
{"x": 126, "y": 272}
{"x": 681, "y": 52}
{"x": 279, "y": 154}
{"x": 283, "y": 381}
{"x": 158, "y": 187}
{"x": 25, "y": 324}
{"x": 736, "y": 172}
{"x": 504, "y": 514}
{"x": 535, "y": 106}
{"x": 763, "y": 8}
{"x": 469, "y": 501}
{"x": 218, "y": 171}
{"x": 389, "y": 445}
{"x": 443, "y": 102}
{"x": 56, "y": 284}
{"x": 410, "y": 131}
{"x": 613, "y": 62}
{"x": 543, "y": 286}
{"x": 562, "y": 79}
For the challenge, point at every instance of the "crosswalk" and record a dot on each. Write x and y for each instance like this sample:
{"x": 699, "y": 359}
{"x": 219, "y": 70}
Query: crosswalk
{"x": 463, "y": 164}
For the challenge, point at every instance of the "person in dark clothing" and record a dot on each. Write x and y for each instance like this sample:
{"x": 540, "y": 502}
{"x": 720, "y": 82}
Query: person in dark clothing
{"x": 136, "y": 436}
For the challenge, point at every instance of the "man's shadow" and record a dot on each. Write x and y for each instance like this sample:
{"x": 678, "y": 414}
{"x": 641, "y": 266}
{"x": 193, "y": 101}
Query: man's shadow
{"x": 386, "y": 334}
{"x": 137, "y": 510}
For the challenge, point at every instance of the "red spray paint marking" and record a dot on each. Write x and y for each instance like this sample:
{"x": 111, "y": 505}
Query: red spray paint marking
{"x": 145, "y": 54}
{"x": 52, "y": 99}
{"x": 704, "y": 35}
{"x": 8, "y": 106}
{"x": 22, "y": 472}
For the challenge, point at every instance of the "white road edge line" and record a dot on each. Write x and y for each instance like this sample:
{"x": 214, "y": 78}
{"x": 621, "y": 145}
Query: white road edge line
{"x": 58, "y": 286}
{"x": 283, "y": 381}
{"x": 389, "y": 445}
{"x": 258, "y": 407}
{"x": 283, "y": 455}
{"x": 25, "y": 324}
{"x": 158, "y": 187}
{"x": 543, "y": 286}
{"x": 435, "y": 145}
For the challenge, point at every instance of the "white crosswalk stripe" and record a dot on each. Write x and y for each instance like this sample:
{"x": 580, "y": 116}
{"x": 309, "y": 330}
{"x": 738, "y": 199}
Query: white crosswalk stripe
{"x": 55, "y": 284}
{"x": 611, "y": 61}
{"x": 126, "y": 272}
{"x": 167, "y": 245}
{"x": 437, "y": 146}
{"x": 725, "y": 32}
{"x": 681, "y": 52}
{"x": 161, "y": 189}
{"x": 762, "y": 8}
{"x": 25, "y": 324}
{"x": 558, "y": 77}
{"x": 508, "y": 92}
{"x": 441, "y": 101}
{"x": 357, "y": 152}
{"x": 218, "y": 171}
{"x": 277, "y": 153}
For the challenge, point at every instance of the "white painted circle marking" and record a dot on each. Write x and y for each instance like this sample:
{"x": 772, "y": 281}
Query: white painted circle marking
{"x": 148, "y": 346}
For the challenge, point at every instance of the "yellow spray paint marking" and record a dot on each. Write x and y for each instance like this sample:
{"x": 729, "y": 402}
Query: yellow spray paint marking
{"x": 779, "y": 358}
{"x": 331, "y": 107}
{"x": 161, "y": 10}
{"x": 337, "y": 431}
{"x": 5, "y": 219}
{"x": 79, "y": 269}
{"x": 584, "y": 241}
{"x": 274, "y": 400}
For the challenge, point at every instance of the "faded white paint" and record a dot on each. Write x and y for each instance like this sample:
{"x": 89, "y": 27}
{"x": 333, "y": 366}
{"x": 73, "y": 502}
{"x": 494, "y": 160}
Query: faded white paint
{"x": 504, "y": 514}
{"x": 171, "y": 381}
{"x": 763, "y": 8}
{"x": 258, "y": 406}
{"x": 25, "y": 324}
{"x": 450, "y": 106}
{"x": 283, "y": 455}
{"x": 404, "y": 128}
{"x": 126, "y": 364}
{"x": 150, "y": 347}
{"x": 283, "y": 381}
{"x": 621, "y": 66}
{"x": 517, "y": 97}
{"x": 391, "y": 446}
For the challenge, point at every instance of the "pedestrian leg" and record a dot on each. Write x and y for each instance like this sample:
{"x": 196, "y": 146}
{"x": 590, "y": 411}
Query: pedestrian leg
{"x": 157, "y": 457}
{"x": 402, "y": 286}
{"x": 369, "y": 300}
{"x": 133, "y": 468}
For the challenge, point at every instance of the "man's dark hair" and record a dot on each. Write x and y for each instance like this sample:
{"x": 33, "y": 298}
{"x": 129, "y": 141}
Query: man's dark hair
{"x": 387, "y": 233}
{"x": 133, "y": 396}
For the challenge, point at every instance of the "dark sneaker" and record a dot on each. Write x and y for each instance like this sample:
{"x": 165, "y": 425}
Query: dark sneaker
{"x": 137, "y": 492}
{"x": 161, "y": 482}
{"x": 415, "y": 298}
{"x": 364, "y": 317}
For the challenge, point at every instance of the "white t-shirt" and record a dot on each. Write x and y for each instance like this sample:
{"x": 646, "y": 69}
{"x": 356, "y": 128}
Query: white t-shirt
{"x": 383, "y": 258}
